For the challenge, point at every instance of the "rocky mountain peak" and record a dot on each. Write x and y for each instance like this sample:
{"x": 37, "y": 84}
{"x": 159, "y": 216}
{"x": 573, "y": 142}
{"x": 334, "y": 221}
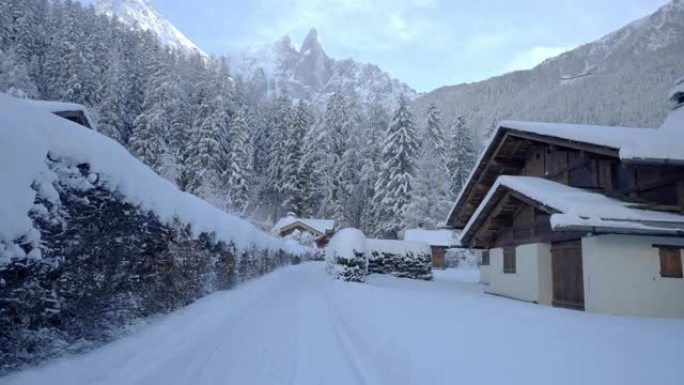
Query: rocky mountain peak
{"x": 311, "y": 41}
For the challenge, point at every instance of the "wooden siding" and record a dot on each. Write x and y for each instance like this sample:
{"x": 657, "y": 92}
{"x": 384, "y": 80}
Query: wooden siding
{"x": 438, "y": 257}
{"x": 567, "y": 275}
{"x": 574, "y": 164}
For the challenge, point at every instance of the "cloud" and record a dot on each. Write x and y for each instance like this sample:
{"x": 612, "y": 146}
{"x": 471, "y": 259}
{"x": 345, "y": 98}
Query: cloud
{"x": 531, "y": 57}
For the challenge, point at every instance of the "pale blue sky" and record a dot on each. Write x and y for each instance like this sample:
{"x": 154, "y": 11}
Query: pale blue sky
{"x": 425, "y": 43}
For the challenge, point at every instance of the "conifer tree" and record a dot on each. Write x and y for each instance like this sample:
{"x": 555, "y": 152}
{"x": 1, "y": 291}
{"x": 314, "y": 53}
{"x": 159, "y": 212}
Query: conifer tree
{"x": 431, "y": 197}
{"x": 461, "y": 155}
{"x": 240, "y": 165}
{"x": 293, "y": 178}
{"x": 393, "y": 189}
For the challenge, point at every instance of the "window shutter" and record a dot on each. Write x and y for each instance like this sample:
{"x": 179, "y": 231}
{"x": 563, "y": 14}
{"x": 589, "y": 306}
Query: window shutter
{"x": 670, "y": 261}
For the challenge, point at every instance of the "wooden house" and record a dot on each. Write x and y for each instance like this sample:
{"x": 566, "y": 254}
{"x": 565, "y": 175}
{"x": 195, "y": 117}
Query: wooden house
{"x": 438, "y": 240}
{"x": 579, "y": 216}
{"x": 321, "y": 230}
{"x": 76, "y": 113}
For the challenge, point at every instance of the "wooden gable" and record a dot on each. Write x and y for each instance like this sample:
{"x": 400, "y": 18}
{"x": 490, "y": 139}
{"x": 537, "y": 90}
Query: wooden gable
{"x": 571, "y": 163}
{"x": 512, "y": 219}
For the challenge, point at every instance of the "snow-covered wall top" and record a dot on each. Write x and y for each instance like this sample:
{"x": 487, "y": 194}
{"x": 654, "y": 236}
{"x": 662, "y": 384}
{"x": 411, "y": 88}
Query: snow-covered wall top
{"x": 28, "y": 134}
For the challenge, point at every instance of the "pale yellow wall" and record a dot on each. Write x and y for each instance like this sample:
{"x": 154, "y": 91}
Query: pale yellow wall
{"x": 532, "y": 279}
{"x": 622, "y": 276}
{"x": 484, "y": 273}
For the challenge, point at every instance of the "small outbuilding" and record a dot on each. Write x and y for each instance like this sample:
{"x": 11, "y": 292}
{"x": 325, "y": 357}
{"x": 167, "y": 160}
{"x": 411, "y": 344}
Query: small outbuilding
{"x": 321, "y": 230}
{"x": 438, "y": 240}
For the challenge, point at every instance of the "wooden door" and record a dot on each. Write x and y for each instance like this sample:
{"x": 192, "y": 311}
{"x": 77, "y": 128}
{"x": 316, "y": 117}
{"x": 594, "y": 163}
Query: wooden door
{"x": 438, "y": 257}
{"x": 568, "y": 282}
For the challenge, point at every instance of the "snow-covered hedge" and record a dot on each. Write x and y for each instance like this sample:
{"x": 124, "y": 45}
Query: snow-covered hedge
{"x": 350, "y": 256}
{"x": 91, "y": 239}
{"x": 346, "y": 257}
{"x": 400, "y": 258}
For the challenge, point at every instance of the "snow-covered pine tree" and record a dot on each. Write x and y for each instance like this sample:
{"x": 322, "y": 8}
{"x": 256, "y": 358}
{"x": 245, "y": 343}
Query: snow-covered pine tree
{"x": 393, "y": 188}
{"x": 431, "y": 197}
{"x": 293, "y": 178}
{"x": 280, "y": 122}
{"x": 461, "y": 155}
{"x": 239, "y": 172}
{"x": 204, "y": 160}
{"x": 335, "y": 123}
{"x": 150, "y": 137}
{"x": 113, "y": 92}
{"x": 14, "y": 76}
{"x": 378, "y": 121}
{"x": 354, "y": 200}
{"x": 311, "y": 172}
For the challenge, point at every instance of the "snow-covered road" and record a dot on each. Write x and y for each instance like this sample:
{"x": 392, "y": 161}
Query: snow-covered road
{"x": 296, "y": 326}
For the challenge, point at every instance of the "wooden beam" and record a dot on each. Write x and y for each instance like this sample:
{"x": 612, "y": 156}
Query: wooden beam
{"x": 593, "y": 148}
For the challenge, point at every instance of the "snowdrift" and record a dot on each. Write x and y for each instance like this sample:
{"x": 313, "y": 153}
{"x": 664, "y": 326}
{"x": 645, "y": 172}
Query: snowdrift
{"x": 91, "y": 239}
{"x": 350, "y": 256}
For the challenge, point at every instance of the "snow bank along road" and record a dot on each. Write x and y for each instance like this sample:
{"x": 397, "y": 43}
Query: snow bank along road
{"x": 296, "y": 326}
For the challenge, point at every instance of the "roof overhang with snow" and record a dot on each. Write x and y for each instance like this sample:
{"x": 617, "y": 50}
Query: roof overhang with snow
{"x": 317, "y": 227}
{"x": 572, "y": 209}
{"x": 74, "y": 112}
{"x": 505, "y": 151}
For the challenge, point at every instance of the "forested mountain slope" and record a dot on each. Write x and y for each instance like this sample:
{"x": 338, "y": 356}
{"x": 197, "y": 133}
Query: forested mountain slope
{"x": 621, "y": 79}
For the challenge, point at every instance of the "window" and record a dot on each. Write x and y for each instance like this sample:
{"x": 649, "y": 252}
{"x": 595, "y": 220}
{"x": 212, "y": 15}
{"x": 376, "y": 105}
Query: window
{"x": 620, "y": 177}
{"x": 670, "y": 261}
{"x": 485, "y": 258}
{"x": 509, "y": 260}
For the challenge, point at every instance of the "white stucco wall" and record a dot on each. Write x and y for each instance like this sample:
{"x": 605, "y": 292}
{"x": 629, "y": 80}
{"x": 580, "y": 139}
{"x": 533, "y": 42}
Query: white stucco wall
{"x": 622, "y": 276}
{"x": 532, "y": 279}
{"x": 484, "y": 274}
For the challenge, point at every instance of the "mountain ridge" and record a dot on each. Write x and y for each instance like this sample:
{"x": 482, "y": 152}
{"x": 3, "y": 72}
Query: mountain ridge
{"x": 309, "y": 73}
{"x": 619, "y": 79}
{"x": 144, "y": 14}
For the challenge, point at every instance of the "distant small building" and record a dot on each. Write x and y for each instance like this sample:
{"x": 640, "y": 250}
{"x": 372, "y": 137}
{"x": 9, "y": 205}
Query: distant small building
{"x": 320, "y": 229}
{"x": 438, "y": 240}
{"x": 74, "y": 112}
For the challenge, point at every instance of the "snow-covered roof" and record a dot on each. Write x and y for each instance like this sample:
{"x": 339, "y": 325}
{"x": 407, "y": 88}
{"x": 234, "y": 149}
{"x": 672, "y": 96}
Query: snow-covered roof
{"x": 320, "y": 225}
{"x": 61, "y": 107}
{"x": 635, "y": 145}
{"x": 431, "y": 237}
{"x": 582, "y": 210}
{"x": 28, "y": 134}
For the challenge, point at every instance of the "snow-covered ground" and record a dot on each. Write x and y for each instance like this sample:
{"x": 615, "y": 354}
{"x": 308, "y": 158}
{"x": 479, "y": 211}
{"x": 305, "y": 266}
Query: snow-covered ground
{"x": 297, "y": 326}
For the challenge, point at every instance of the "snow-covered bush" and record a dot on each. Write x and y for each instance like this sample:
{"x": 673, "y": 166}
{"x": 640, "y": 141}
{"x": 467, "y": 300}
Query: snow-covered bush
{"x": 350, "y": 257}
{"x": 400, "y": 258}
{"x": 346, "y": 257}
{"x": 461, "y": 258}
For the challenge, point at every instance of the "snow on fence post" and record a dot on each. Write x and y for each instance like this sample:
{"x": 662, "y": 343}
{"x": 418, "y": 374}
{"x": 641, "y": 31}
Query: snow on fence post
{"x": 346, "y": 257}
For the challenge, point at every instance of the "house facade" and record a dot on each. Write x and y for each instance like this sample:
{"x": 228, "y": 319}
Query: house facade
{"x": 582, "y": 217}
{"x": 318, "y": 230}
